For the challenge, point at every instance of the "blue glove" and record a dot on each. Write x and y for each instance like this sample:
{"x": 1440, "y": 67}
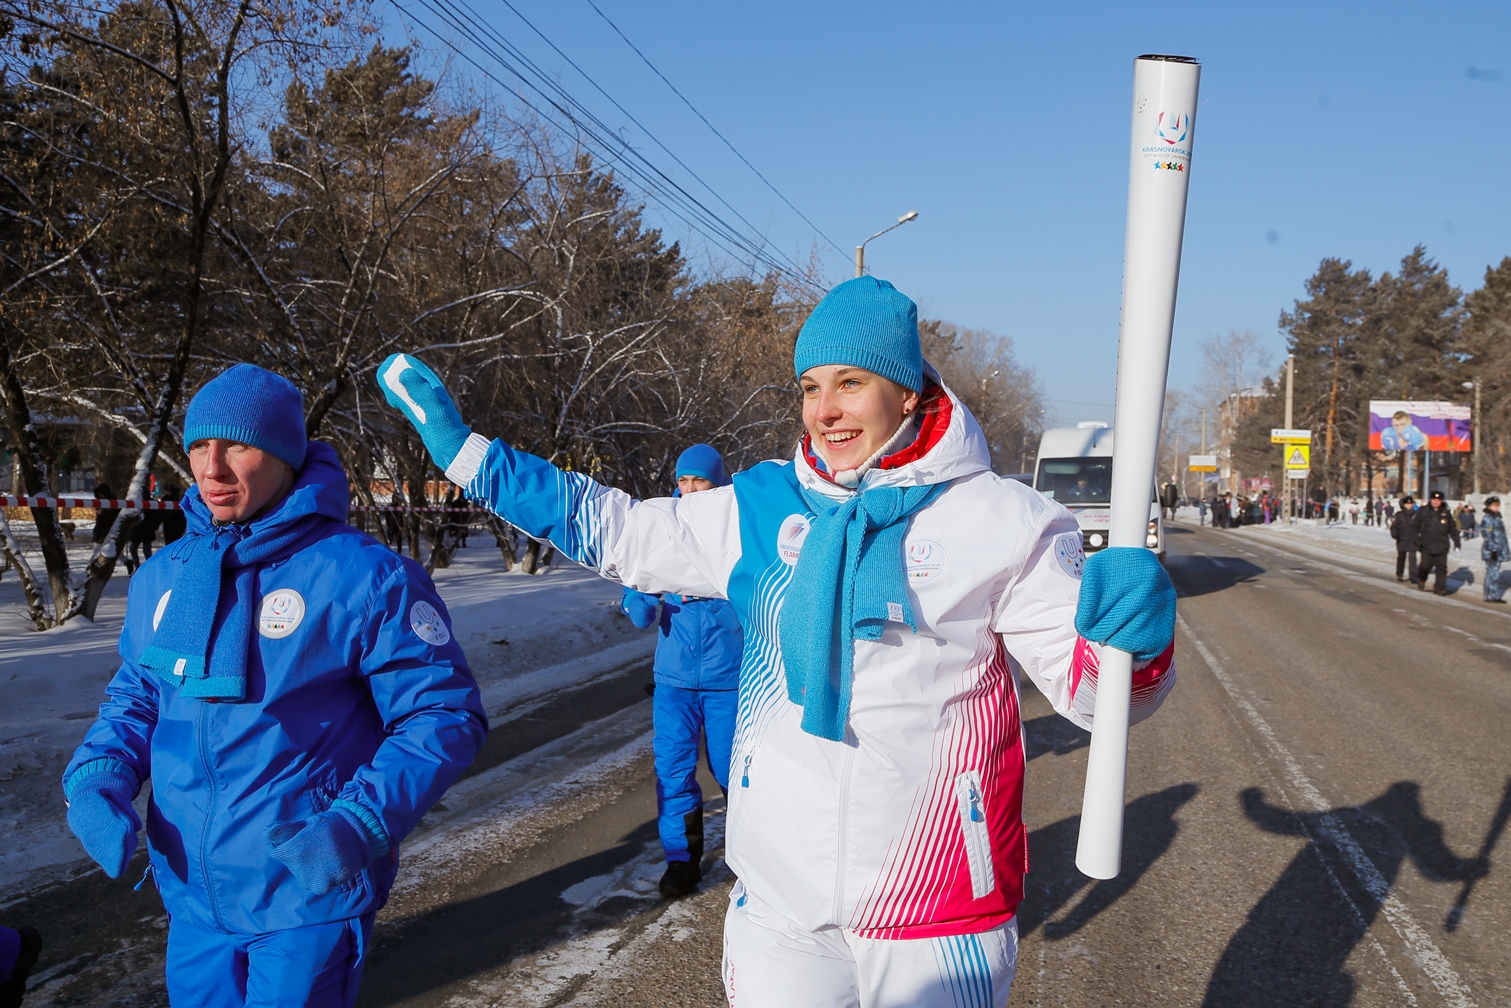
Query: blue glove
{"x": 99, "y": 795}
{"x": 1127, "y": 601}
{"x": 640, "y": 607}
{"x": 324, "y": 850}
{"x": 414, "y": 390}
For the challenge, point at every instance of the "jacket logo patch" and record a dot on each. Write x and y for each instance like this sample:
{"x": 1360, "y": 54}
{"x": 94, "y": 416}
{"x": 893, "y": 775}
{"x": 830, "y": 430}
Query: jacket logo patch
{"x": 428, "y": 625}
{"x": 925, "y": 559}
{"x": 1069, "y": 554}
{"x": 282, "y": 612}
{"x": 162, "y": 607}
{"x": 790, "y": 538}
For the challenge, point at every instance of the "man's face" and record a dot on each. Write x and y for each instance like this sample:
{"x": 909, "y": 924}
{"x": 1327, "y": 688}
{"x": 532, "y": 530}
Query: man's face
{"x": 1400, "y": 423}
{"x": 692, "y": 484}
{"x": 1436, "y": 502}
{"x": 236, "y": 481}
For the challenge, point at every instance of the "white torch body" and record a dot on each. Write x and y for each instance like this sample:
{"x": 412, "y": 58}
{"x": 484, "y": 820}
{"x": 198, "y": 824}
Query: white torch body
{"x": 1164, "y": 120}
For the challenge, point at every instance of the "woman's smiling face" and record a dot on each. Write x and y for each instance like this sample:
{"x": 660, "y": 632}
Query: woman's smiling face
{"x": 850, "y": 413}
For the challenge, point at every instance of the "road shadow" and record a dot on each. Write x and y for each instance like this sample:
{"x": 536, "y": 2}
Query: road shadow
{"x": 1292, "y": 949}
{"x": 1052, "y": 734}
{"x": 1149, "y": 829}
{"x": 1204, "y": 575}
{"x": 468, "y": 937}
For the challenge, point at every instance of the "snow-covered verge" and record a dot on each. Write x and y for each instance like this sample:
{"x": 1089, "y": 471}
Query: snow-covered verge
{"x": 524, "y": 635}
{"x": 1367, "y": 542}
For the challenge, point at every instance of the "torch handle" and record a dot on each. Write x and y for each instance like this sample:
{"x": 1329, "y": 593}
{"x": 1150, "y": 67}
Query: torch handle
{"x": 1159, "y": 167}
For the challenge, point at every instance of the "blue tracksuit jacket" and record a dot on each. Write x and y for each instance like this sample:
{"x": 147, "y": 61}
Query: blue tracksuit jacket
{"x": 698, "y": 640}
{"x": 368, "y": 699}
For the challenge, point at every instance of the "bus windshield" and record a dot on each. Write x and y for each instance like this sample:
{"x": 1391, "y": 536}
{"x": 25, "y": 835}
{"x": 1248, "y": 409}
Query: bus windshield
{"x": 1073, "y": 481}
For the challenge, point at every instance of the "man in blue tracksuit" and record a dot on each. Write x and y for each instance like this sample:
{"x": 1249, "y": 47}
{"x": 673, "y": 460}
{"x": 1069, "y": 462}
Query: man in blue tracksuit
{"x": 697, "y": 690}
{"x": 293, "y": 690}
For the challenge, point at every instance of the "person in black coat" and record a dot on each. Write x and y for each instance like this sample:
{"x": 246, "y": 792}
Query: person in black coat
{"x": 104, "y": 518}
{"x": 1405, "y": 534}
{"x": 1435, "y": 527}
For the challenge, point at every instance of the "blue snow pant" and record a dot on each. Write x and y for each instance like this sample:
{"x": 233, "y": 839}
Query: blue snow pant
{"x": 681, "y": 717}
{"x": 1493, "y": 587}
{"x": 319, "y": 966}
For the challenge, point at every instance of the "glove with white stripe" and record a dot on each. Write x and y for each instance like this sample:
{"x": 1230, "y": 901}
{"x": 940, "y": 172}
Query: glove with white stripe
{"x": 418, "y": 392}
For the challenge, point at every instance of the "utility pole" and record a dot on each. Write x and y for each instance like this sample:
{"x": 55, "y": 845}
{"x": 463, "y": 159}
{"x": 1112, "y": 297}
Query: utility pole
{"x": 1475, "y": 430}
{"x": 1290, "y": 402}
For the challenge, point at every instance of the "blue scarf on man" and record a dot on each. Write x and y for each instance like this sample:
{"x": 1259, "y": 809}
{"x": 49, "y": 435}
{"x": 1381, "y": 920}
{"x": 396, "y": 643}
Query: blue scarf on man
{"x": 221, "y": 559}
{"x": 848, "y": 585}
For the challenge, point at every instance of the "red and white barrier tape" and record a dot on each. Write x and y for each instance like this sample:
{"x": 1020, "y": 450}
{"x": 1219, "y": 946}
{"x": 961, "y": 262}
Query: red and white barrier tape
{"x": 157, "y": 505}
{"x": 88, "y": 502}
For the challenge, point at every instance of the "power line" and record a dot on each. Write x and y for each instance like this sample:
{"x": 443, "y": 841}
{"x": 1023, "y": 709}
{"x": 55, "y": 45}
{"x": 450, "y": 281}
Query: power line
{"x": 593, "y": 131}
{"x": 628, "y": 114}
{"x": 645, "y": 59}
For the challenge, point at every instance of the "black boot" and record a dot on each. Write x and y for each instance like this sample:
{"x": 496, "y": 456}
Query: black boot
{"x": 681, "y": 878}
{"x": 14, "y": 989}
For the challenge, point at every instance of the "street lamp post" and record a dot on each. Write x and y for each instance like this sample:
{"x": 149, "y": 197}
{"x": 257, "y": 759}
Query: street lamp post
{"x": 860, "y": 250}
{"x": 1474, "y": 432}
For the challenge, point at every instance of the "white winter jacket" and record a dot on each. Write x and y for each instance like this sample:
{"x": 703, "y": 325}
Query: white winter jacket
{"x": 912, "y": 825}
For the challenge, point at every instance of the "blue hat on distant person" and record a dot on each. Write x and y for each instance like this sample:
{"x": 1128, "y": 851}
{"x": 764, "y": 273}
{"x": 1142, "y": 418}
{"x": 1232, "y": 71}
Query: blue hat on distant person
{"x": 705, "y": 461}
{"x": 865, "y": 323}
{"x": 249, "y": 404}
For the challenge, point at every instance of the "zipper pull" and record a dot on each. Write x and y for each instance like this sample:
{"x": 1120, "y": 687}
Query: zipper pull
{"x": 138, "y": 886}
{"x": 745, "y": 775}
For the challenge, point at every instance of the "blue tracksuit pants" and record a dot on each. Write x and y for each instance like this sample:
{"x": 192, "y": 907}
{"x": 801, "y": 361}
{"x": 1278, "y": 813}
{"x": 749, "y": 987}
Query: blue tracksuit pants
{"x": 682, "y": 718}
{"x": 319, "y": 966}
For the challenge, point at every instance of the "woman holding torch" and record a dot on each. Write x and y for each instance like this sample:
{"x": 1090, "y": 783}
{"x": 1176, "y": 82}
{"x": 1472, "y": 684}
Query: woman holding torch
{"x": 891, "y": 588}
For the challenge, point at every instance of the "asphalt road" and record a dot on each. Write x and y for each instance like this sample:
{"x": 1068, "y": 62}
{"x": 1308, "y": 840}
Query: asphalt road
{"x": 1305, "y": 811}
{"x": 1305, "y": 814}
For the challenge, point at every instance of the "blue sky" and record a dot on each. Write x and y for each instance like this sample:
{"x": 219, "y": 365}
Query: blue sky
{"x": 1349, "y": 129}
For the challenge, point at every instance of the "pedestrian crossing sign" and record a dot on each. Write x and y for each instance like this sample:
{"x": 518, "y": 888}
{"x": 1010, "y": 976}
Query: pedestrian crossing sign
{"x": 1298, "y": 456}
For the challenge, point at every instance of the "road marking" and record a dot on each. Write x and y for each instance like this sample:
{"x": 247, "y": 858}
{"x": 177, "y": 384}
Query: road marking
{"x": 1419, "y": 945}
{"x": 1379, "y": 582}
{"x": 1473, "y": 638}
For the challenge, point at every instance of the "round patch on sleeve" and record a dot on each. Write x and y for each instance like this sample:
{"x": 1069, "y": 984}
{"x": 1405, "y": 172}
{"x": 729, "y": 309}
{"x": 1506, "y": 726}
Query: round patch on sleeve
{"x": 428, "y": 625}
{"x": 1069, "y": 554}
{"x": 282, "y": 612}
{"x": 162, "y": 607}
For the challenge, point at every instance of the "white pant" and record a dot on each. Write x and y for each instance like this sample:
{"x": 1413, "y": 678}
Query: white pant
{"x": 772, "y": 962}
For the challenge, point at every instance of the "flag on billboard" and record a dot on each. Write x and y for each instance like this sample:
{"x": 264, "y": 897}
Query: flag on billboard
{"x": 1418, "y": 424}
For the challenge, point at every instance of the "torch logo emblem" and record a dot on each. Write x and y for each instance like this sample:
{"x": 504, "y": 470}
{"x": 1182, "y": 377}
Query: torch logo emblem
{"x": 1172, "y": 128}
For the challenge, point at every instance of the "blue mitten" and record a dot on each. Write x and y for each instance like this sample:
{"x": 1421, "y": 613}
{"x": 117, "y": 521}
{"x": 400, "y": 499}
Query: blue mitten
{"x": 1127, "y": 601}
{"x": 416, "y": 391}
{"x": 99, "y": 797}
{"x": 640, "y": 607}
{"x": 324, "y": 850}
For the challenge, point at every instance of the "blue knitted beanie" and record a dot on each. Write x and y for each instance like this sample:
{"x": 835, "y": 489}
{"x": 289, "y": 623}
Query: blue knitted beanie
{"x": 253, "y": 406}
{"x": 705, "y": 461}
{"x": 865, "y": 323}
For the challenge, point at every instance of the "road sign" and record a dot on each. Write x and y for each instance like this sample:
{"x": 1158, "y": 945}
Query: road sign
{"x": 1202, "y": 463}
{"x": 1298, "y": 474}
{"x": 1298, "y": 456}
{"x": 1288, "y": 435}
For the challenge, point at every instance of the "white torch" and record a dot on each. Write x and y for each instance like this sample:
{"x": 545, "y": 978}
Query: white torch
{"x": 1159, "y": 167}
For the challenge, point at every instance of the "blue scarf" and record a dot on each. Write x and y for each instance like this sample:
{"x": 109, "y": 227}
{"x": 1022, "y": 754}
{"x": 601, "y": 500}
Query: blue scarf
{"x": 848, "y": 585}
{"x": 182, "y": 651}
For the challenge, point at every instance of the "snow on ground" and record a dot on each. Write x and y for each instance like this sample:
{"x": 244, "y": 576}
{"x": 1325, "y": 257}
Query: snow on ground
{"x": 524, "y": 635}
{"x": 1366, "y": 542}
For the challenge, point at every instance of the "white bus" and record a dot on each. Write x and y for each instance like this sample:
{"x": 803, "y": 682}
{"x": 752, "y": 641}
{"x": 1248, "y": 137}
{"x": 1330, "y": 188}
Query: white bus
{"x": 1074, "y": 467}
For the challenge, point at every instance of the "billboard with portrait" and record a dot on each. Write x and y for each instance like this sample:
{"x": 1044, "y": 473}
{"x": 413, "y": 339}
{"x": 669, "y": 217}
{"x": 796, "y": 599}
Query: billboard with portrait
{"x": 1418, "y": 425}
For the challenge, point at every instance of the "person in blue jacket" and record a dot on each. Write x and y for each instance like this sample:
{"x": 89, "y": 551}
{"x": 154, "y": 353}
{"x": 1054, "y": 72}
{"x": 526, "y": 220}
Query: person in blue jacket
{"x": 294, "y": 692}
{"x": 697, "y": 690}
